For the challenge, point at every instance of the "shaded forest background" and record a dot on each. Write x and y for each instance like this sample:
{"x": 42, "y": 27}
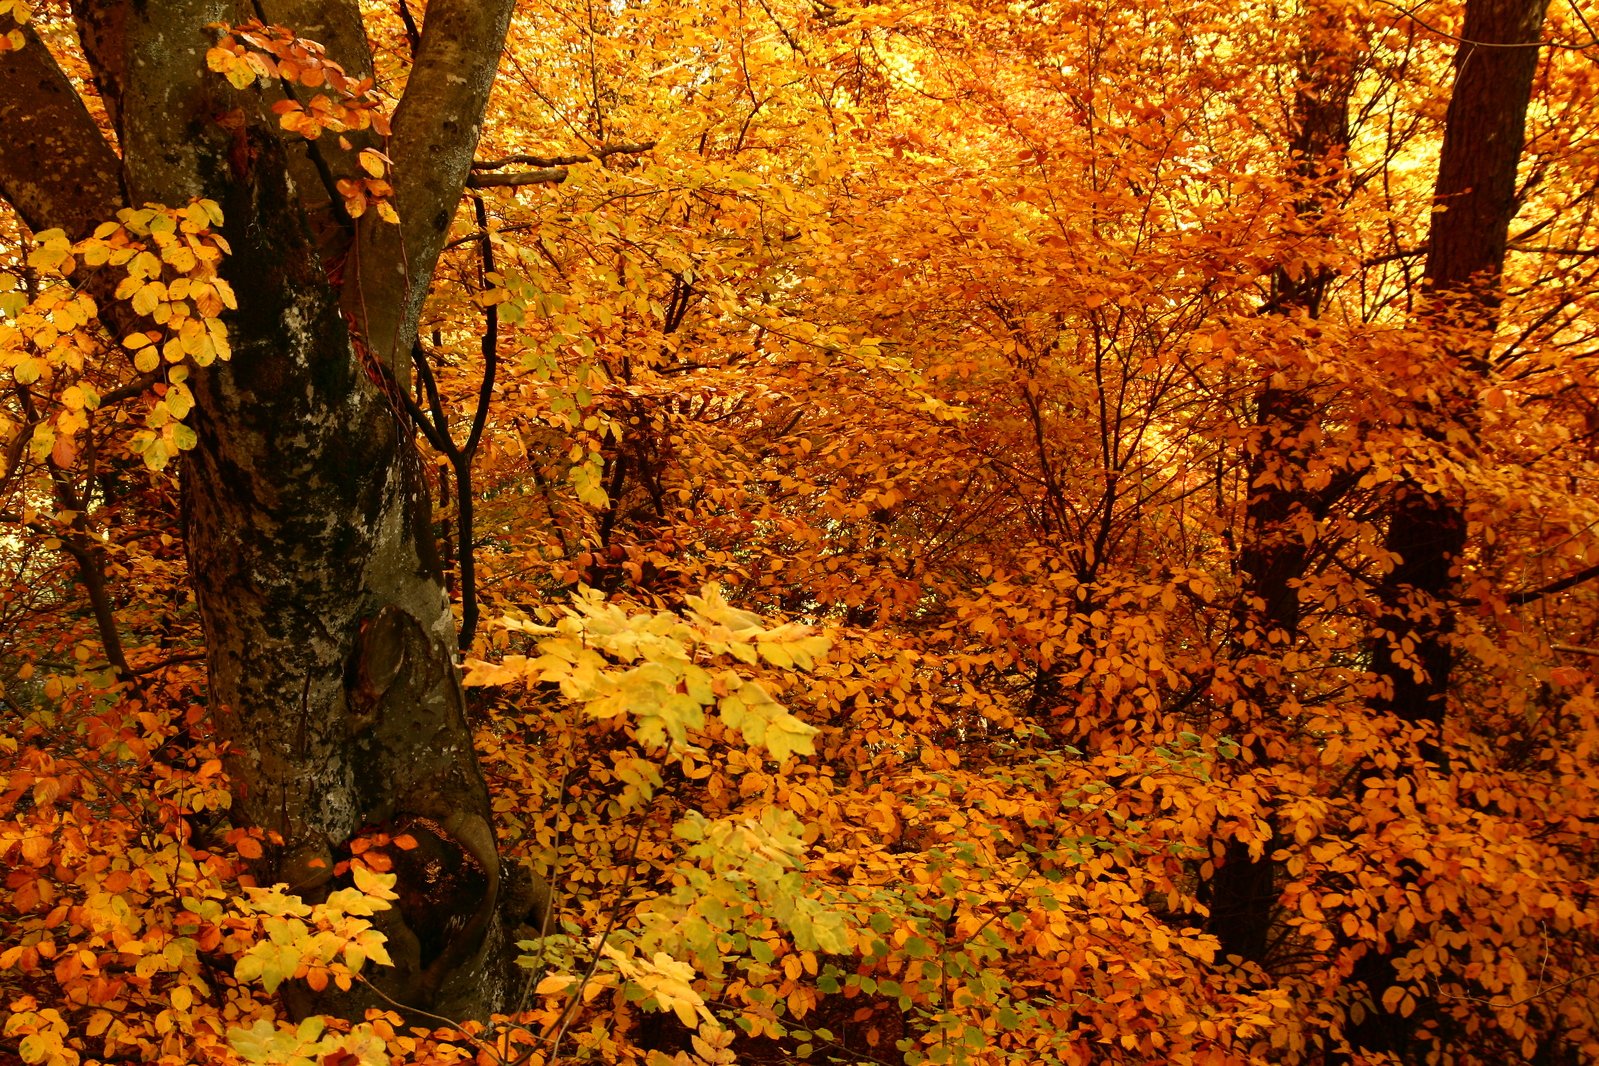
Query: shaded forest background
{"x": 1129, "y": 506}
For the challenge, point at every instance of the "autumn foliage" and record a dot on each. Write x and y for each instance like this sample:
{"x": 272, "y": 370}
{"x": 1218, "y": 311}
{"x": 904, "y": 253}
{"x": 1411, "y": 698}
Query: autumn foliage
{"x": 923, "y": 488}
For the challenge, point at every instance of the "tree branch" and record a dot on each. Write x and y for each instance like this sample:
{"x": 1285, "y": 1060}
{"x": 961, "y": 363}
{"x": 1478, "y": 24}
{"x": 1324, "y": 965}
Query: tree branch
{"x": 436, "y": 128}
{"x": 1571, "y": 253}
{"x": 102, "y": 33}
{"x": 564, "y": 160}
{"x": 1569, "y": 581}
{"x": 543, "y": 176}
{"x": 57, "y": 169}
{"x": 465, "y": 495}
{"x": 552, "y": 169}
{"x": 413, "y": 36}
{"x": 80, "y": 544}
{"x": 170, "y": 660}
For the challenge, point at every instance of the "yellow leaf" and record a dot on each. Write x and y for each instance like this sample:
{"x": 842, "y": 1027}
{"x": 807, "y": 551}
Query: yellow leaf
{"x": 29, "y": 370}
{"x": 373, "y": 884}
{"x": 148, "y": 296}
{"x": 555, "y": 983}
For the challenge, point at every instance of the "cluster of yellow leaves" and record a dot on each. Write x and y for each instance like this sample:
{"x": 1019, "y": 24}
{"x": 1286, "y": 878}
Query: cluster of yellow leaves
{"x": 44, "y": 340}
{"x": 330, "y": 941}
{"x": 110, "y": 914}
{"x": 123, "y": 935}
{"x": 967, "y": 899}
{"x": 662, "y": 982}
{"x": 370, "y": 189}
{"x": 664, "y": 688}
{"x": 339, "y": 103}
{"x": 177, "y": 287}
{"x": 169, "y": 258}
{"x": 20, "y": 13}
{"x": 309, "y": 1044}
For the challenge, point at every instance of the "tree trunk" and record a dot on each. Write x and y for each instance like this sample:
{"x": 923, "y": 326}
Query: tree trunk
{"x": 1474, "y": 203}
{"x": 1243, "y": 891}
{"x": 330, "y": 641}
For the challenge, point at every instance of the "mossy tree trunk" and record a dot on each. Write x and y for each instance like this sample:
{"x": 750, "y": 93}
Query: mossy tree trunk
{"x": 330, "y": 642}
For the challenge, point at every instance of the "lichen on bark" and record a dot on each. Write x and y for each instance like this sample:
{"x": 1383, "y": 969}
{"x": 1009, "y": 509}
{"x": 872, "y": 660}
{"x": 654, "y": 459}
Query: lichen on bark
{"x": 330, "y": 643}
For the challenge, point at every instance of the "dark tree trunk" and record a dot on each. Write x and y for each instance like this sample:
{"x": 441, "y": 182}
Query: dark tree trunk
{"x": 1243, "y": 893}
{"x": 330, "y": 640}
{"x": 1474, "y": 203}
{"x": 1475, "y": 200}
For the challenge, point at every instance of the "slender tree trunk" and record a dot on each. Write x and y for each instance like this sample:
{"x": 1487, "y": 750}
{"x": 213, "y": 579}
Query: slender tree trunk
{"x": 330, "y": 640}
{"x": 1243, "y": 891}
{"x": 1474, "y": 203}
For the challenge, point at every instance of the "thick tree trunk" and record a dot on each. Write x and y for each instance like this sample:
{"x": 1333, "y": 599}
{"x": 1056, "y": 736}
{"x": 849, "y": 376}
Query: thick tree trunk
{"x": 330, "y": 640}
{"x": 1474, "y": 203}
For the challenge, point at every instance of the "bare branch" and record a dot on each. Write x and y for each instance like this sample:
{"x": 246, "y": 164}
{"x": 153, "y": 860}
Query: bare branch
{"x": 564, "y": 160}
{"x": 1569, "y": 581}
{"x": 543, "y": 176}
{"x": 170, "y": 660}
{"x": 413, "y": 36}
{"x": 1572, "y": 253}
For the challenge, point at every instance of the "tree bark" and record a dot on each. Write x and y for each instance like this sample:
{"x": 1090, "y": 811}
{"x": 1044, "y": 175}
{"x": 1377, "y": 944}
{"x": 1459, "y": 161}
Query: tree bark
{"x": 52, "y": 145}
{"x": 1473, "y": 204}
{"x": 1243, "y": 893}
{"x": 330, "y": 642}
